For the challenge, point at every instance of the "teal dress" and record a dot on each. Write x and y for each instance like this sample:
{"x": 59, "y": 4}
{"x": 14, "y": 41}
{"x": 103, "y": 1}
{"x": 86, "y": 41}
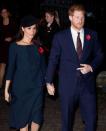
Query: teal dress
{"x": 26, "y": 70}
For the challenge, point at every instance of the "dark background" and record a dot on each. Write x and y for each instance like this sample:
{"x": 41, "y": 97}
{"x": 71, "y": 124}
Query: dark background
{"x": 27, "y": 6}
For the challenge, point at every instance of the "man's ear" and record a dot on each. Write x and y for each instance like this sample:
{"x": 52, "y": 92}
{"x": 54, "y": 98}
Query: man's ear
{"x": 70, "y": 18}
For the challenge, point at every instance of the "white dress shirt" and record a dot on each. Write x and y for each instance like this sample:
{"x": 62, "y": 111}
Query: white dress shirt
{"x": 74, "y": 36}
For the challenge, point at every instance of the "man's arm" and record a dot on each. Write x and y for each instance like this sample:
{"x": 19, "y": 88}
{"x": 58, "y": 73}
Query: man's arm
{"x": 53, "y": 60}
{"x": 97, "y": 53}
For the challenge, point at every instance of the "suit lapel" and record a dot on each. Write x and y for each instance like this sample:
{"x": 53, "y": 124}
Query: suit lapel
{"x": 87, "y": 43}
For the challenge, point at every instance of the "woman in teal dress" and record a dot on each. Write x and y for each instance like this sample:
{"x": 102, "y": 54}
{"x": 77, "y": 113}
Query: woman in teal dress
{"x": 25, "y": 76}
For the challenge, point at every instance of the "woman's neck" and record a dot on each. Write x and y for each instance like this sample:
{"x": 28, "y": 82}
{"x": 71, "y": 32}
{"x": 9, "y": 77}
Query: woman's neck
{"x": 26, "y": 41}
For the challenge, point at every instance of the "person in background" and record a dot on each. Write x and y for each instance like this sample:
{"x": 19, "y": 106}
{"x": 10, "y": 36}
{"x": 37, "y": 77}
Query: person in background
{"x": 25, "y": 78}
{"x": 79, "y": 54}
{"x": 47, "y": 28}
{"x": 7, "y": 33}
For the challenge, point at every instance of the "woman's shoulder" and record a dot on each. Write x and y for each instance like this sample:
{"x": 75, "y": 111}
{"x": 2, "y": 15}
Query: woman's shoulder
{"x": 13, "y": 45}
{"x": 18, "y": 42}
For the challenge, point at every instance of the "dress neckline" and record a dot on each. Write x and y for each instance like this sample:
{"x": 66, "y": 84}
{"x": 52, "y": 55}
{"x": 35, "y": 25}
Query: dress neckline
{"x": 24, "y": 45}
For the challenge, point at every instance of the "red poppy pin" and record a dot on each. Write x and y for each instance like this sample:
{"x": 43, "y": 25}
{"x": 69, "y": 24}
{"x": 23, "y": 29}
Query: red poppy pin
{"x": 40, "y": 50}
{"x": 88, "y": 37}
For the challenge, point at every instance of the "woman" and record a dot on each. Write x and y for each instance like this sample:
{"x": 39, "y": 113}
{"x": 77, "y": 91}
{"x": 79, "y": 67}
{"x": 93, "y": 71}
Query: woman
{"x": 25, "y": 75}
{"x": 47, "y": 29}
{"x": 7, "y": 31}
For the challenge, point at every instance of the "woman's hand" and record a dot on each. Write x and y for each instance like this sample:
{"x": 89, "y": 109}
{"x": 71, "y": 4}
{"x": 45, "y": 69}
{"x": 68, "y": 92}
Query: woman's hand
{"x": 7, "y": 96}
{"x": 6, "y": 93}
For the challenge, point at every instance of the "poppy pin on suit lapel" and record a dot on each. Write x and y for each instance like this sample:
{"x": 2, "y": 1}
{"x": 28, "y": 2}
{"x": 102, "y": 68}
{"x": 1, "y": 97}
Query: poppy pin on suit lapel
{"x": 88, "y": 37}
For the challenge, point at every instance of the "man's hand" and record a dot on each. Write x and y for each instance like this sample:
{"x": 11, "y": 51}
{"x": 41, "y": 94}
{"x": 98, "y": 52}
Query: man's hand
{"x": 85, "y": 68}
{"x": 50, "y": 89}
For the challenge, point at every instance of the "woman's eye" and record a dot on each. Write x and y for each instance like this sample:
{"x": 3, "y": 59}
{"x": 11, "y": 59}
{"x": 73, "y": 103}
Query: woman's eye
{"x": 29, "y": 28}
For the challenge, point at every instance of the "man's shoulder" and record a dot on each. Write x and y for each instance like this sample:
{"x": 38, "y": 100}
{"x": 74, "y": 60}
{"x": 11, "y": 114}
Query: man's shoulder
{"x": 90, "y": 31}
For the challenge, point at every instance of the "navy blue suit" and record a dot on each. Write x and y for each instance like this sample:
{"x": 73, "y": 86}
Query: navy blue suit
{"x": 75, "y": 87}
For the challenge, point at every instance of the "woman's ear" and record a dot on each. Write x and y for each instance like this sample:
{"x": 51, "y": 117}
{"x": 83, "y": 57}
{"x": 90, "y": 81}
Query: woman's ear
{"x": 22, "y": 28}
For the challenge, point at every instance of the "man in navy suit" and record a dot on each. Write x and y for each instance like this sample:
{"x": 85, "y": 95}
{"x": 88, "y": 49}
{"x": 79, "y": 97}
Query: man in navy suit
{"x": 76, "y": 74}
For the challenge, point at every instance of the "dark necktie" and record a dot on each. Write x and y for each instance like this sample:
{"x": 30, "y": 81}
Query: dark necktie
{"x": 79, "y": 46}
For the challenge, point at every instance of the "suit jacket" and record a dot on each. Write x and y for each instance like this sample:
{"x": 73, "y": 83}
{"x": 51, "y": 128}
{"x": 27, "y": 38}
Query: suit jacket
{"x": 63, "y": 53}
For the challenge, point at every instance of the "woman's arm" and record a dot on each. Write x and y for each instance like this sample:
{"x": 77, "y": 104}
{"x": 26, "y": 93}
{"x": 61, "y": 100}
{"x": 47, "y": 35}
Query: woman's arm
{"x": 7, "y": 95}
{"x": 10, "y": 70}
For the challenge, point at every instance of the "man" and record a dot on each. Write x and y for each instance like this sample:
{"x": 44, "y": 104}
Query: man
{"x": 77, "y": 66}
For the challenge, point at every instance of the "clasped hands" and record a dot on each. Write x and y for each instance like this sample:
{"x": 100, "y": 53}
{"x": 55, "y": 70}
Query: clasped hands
{"x": 85, "y": 68}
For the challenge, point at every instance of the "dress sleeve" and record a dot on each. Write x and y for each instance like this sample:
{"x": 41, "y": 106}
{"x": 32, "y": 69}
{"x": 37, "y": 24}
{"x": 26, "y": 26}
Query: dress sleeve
{"x": 11, "y": 62}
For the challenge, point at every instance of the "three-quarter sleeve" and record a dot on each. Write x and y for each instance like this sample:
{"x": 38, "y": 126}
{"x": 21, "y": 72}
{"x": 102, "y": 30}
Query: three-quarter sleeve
{"x": 11, "y": 62}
